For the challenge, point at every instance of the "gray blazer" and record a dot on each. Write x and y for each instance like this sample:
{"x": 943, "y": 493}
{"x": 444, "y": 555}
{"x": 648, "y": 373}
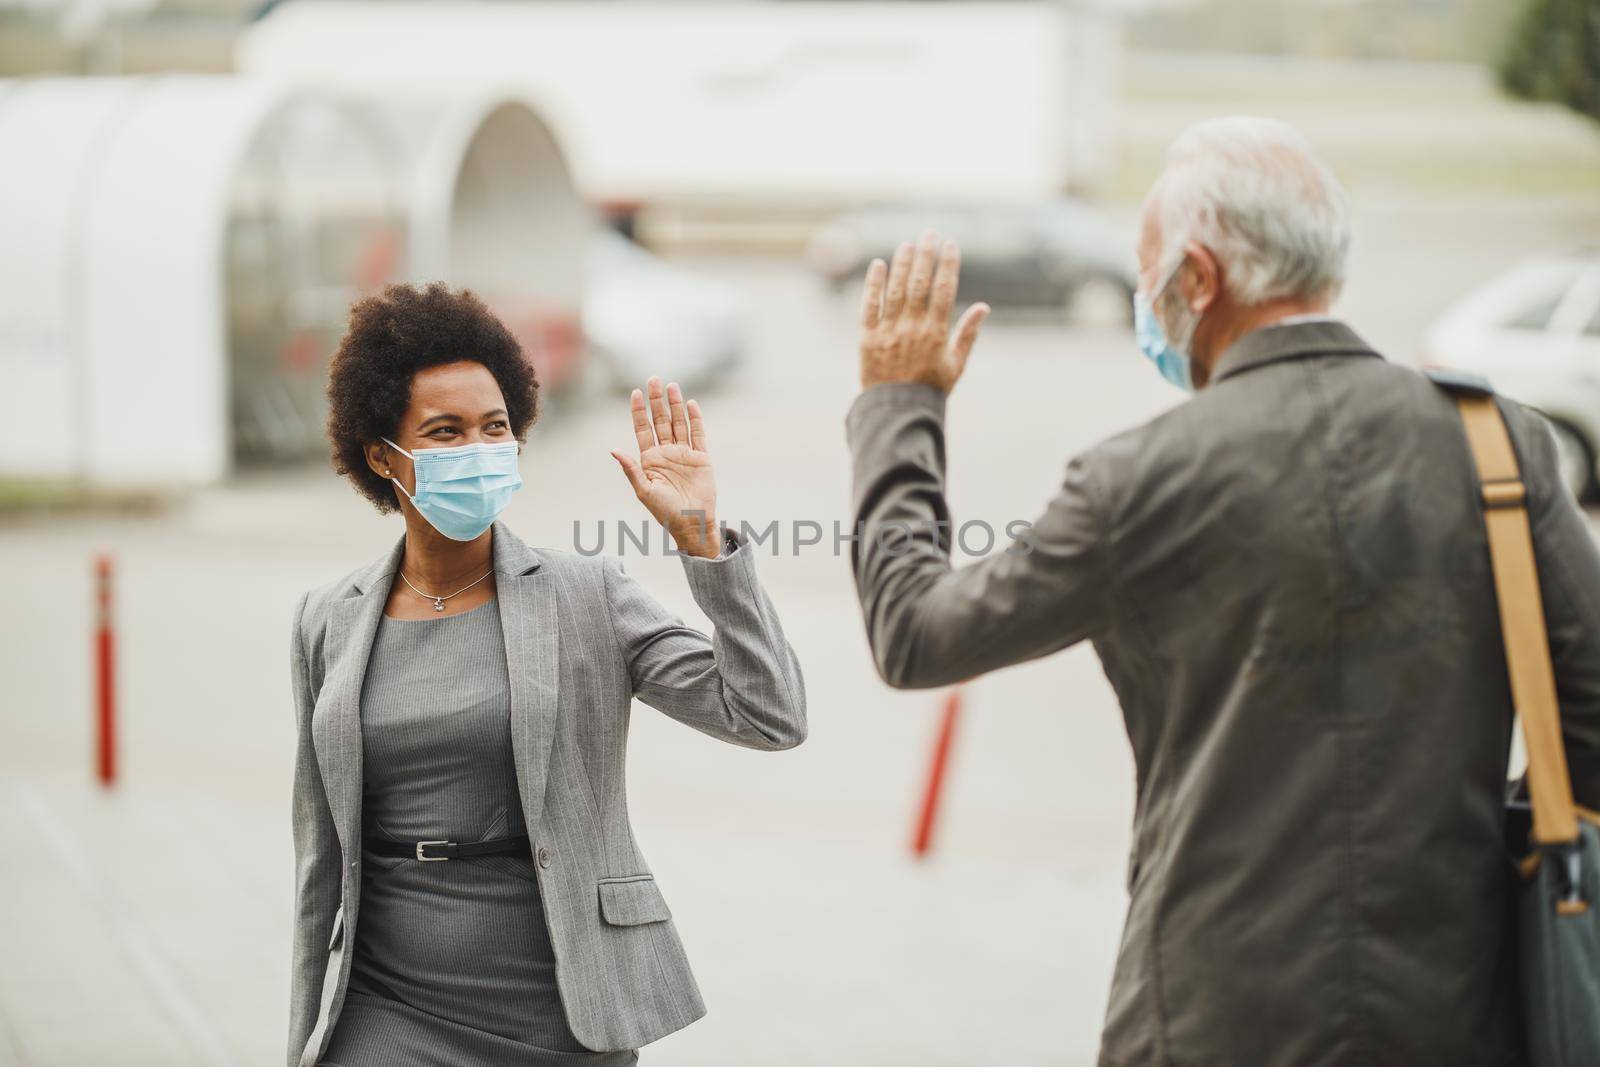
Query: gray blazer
{"x": 582, "y": 639}
{"x": 1287, "y": 581}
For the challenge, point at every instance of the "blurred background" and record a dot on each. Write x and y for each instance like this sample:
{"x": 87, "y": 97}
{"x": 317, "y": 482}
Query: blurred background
{"x": 192, "y": 192}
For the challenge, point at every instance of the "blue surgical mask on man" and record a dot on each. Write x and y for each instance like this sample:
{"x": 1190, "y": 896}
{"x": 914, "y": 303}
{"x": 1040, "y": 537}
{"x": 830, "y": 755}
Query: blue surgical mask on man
{"x": 462, "y": 490}
{"x": 1172, "y": 360}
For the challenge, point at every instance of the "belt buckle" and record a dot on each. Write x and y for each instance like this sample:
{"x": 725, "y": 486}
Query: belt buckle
{"x": 430, "y": 859}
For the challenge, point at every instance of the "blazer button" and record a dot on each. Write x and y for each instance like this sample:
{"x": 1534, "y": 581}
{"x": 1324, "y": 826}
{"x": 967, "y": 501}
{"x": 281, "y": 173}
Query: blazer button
{"x": 544, "y": 856}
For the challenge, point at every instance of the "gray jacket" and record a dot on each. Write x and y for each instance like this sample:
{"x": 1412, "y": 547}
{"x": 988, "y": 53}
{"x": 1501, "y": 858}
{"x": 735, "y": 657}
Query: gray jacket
{"x": 1287, "y": 581}
{"x": 582, "y": 640}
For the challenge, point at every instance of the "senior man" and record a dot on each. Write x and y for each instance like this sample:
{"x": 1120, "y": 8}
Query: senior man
{"x": 1287, "y": 581}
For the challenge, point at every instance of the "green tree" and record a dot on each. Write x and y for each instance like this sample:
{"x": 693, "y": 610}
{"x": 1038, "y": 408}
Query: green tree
{"x": 1554, "y": 54}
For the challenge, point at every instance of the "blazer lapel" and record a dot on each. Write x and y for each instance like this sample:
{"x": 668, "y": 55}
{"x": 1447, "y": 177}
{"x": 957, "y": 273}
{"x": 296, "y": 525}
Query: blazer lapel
{"x": 527, "y": 599}
{"x": 336, "y": 719}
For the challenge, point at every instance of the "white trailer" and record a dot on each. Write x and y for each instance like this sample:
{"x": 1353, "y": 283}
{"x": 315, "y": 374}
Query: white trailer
{"x": 750, "y": 103}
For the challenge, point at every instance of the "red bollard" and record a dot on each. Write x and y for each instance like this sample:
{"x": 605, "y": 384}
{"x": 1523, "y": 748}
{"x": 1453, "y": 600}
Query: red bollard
{"x": 941, "y": 757}
{"x": 105, "y": 678}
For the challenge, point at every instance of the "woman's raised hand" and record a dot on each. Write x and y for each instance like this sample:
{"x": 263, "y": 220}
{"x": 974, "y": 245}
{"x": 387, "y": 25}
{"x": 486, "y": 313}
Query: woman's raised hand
{"x": 672, "y": 476}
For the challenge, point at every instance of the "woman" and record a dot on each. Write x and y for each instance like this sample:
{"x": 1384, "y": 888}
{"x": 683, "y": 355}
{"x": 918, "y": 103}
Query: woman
{"x": 468, "y": 887}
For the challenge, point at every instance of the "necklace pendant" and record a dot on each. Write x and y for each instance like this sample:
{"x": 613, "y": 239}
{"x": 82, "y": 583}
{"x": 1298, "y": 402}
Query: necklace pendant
{"x": 438, "y": 605}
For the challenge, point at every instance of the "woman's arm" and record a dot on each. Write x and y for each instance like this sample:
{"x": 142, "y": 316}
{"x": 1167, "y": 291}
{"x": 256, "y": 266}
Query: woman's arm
{"x": 743, "y": 683}
{"x": 317, "y": 860}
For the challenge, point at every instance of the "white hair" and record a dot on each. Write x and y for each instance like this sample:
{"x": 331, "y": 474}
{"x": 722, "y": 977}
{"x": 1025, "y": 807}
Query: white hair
{"x": 1252, "y": 191}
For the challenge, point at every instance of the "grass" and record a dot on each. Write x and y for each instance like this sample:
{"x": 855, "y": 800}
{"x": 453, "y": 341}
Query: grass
{"x": 1403, "y": 128}
{"x": 20, "y": 497}
{"x": 1502, "y": 177}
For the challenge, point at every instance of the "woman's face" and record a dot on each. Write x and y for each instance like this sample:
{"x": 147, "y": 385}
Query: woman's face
{"x": 452, "y": 404}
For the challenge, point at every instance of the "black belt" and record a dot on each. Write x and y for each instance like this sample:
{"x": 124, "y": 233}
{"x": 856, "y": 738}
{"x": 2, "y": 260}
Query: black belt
{"x": 428, "y": 851}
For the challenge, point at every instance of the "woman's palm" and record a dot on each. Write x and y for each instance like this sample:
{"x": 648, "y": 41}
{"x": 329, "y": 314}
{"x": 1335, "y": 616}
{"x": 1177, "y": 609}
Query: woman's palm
{"x": 677, "y": 478}
{"x": 672, "y": 476}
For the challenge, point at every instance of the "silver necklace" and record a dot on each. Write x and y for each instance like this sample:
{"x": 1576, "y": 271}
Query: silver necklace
{"x": 438, "y": 601}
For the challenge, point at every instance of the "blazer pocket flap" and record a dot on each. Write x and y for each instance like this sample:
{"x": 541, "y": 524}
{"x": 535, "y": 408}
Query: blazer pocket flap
{"x": 631, "y": 901}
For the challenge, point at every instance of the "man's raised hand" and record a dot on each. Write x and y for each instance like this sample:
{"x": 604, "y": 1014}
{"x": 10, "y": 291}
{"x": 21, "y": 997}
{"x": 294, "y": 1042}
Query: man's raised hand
{"x": 905, "y": 317}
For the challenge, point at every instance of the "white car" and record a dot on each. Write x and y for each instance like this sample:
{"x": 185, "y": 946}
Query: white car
{"x": 1534, "y": 332}
{"x": 644, "y": 316}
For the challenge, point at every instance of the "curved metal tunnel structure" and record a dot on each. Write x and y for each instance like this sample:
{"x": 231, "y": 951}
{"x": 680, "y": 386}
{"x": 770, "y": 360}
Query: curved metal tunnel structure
{"x": 188, "y": 247}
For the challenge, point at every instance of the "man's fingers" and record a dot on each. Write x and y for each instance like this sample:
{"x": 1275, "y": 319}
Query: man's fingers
{"x": 922, "y": 272}
{"x": 944, "y": 282}
{"x": 680, "y": 417}
{"x": 641, "y": 422}
{"x": 697, "y": 427}
{"x": 872, "y": 294}
{"x": 966, "y": 336}
{"x": 631, "y": 469}
{"x": 894, "y": 298}
{"x": 658, "y": 410}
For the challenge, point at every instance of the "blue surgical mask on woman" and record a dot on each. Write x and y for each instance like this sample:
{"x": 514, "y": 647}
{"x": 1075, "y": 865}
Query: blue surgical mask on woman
{"x": 1172, "y": 360}
{"x": 462, "y": 490}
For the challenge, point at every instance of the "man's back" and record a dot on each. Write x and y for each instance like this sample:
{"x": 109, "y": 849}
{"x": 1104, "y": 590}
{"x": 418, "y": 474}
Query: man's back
{"x": 1288, "y": 584}
{"x": 1322, "y": 761}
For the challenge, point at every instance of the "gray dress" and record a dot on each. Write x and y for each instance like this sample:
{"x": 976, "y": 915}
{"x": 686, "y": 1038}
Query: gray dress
{"x": 453, "y": 964}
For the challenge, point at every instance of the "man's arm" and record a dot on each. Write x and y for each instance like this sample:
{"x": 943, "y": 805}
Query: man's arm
{"x": 928, "y": 624}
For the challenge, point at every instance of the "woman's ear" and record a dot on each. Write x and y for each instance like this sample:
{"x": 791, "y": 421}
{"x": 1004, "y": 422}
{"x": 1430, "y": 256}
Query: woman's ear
{"x": 378, "y": 459}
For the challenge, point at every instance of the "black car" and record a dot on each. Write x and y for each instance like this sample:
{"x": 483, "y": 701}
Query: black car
{"x": 1041, "y": 253}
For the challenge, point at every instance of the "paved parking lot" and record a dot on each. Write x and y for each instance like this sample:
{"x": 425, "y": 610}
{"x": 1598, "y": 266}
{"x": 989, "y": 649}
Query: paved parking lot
{"x": 150, "y": 925}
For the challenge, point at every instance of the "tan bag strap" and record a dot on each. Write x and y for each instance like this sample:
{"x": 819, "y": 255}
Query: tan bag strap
{"x": 1516, "y": 583}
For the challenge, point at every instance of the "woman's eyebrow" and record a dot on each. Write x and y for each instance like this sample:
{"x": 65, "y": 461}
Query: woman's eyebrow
{"x": 450, "y": 417}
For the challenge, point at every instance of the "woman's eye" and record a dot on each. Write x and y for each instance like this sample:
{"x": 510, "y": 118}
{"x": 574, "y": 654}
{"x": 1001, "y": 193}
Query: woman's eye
{"x": 497, "y": 425}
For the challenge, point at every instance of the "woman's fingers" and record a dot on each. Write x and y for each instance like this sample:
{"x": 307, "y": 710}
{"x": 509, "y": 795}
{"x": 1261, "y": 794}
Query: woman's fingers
{"x": 658, "y": 410}
{"x": 680, "y": 417}
{"x": 665, "y": 417}
{"x": 641, "y": 422}
{"x": 630, "y": 467}
{"x": 697, "y": 428}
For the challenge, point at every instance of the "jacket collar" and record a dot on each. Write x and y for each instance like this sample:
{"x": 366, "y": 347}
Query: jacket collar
{"x": 512, "y": 557}
{"x": 1294, "y": 340}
